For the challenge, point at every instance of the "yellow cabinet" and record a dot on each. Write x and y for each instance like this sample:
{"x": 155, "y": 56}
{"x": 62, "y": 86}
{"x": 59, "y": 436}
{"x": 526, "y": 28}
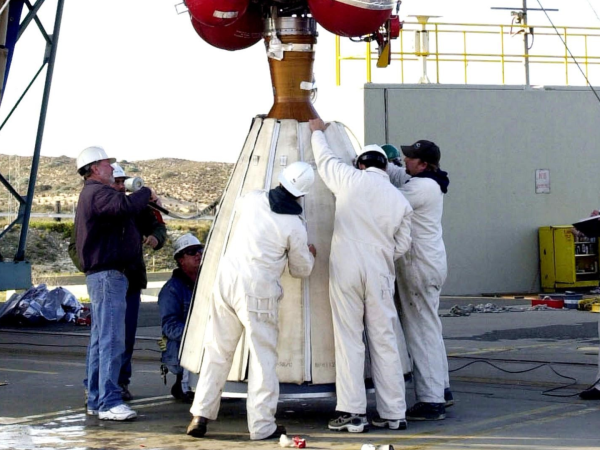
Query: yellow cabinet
{"x": 566, "y": 261}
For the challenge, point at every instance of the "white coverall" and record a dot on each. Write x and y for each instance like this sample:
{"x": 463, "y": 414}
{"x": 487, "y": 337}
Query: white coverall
{"x": 371, "y": 230}
{"x": 246, "y": 298}
{"x": 421, "y": 274}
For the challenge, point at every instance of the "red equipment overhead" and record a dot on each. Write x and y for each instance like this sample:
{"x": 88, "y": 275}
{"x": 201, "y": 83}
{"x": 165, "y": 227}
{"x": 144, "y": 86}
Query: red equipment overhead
{"x": 351, "y": 18}
{"x": 217, "y": 13}
{"x": 242, "y": 34}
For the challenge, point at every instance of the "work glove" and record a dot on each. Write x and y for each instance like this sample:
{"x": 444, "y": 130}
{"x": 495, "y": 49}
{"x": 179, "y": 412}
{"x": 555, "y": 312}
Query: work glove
{"x": 162, "y": 344}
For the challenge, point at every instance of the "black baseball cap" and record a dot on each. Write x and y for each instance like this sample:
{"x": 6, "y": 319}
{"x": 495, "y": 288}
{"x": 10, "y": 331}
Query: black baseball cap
{"x": 426, "y": 151}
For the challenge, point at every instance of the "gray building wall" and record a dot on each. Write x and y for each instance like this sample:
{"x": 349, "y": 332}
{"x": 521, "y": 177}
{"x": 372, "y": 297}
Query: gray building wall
{"x": 493, "y": 138}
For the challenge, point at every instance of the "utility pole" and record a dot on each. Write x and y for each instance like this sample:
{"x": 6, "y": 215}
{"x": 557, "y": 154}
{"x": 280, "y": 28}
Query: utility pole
{"x": 526, "y": 43}
{"x": 520, "y": 18}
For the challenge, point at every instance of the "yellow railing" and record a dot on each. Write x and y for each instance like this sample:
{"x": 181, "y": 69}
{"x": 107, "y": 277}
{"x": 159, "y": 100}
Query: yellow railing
{"x": 500, "y": 47}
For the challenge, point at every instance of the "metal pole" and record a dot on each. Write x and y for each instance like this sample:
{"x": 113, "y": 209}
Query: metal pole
{"x": 368, "y": 62}
{"x": 425, "y": 78}
{"x": 424, "y": 52}
{"x": 20, "y": 256}
{"x": 526, "y": 43}
{"x": 338, "y": 66}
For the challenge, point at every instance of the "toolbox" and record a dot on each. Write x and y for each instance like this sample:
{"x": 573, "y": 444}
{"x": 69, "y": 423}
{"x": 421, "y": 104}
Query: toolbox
{"x": 568, "y": 300}
{"x": 549, "y": 302}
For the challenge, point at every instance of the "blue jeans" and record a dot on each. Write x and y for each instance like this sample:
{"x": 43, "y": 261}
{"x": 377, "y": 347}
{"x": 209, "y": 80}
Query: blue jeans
{"x": 107, "y": 291}
{"x": 133, "y": 299}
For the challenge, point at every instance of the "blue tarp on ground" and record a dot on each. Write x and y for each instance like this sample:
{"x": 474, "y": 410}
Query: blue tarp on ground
{"x": 37, "y": 305}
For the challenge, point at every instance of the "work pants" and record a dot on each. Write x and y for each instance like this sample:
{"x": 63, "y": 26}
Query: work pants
{"x": 133, "y": 300}
{"x": 107, "y": 291}
{"x": 234, "y": 310}
{"x": 362, "y": 301}
{"x": 420, "y": 300}
{"x": 185, "y": 376}
{"x": 446, "y": 372}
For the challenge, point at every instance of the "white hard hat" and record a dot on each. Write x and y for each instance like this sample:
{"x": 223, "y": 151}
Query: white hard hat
{"x": 185, "y": 241}
{"x": 118, "y": 171}
{"x": 92, "y": 154}
{"x": 372, "y": 148}
{"x": 297, "y": 178}
{"x": 362, "y": 157}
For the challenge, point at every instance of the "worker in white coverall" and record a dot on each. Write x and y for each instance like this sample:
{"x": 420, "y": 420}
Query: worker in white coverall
{"x": 371, "y": 230}
{"x": 421, "y": 274}
{"x": 269, "y": 234}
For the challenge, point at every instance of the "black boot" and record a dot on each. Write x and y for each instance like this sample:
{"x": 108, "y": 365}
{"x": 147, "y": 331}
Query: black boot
{"x": 197, "y": 427}
{"x": 590, "y": 394}
{"x": 176, "y": 390}
{"x": 426, "y": 411}
{"x": 188, "y": 397}
{"x": 448, "y": 398}
{"x": 277, "y": 433}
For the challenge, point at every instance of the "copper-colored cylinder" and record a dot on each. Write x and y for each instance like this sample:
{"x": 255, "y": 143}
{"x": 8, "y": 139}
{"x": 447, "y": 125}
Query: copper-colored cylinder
{"x": 287, "y": 75}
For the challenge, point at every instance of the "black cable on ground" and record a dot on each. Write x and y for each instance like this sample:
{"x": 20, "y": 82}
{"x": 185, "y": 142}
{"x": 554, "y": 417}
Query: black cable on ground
{"x": 526, "y": 361}
{"x": 547, "y": 391}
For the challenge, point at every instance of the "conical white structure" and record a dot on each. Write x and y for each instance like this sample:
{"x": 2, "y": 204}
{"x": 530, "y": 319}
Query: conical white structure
{"x": 306, "y": 350}
{"x": 306, "y": 346}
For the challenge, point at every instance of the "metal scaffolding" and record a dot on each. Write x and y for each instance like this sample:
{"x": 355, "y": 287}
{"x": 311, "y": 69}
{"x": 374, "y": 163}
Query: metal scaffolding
{"x": 16, "y": 272}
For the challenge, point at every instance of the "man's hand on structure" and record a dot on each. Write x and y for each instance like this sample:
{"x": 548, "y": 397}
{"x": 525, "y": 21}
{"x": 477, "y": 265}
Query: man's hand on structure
{"x": 317, "y": 125}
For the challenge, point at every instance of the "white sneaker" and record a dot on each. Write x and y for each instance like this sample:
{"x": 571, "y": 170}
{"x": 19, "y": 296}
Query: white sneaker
{"x": 92, "y": 412}
{"x": 119, "y": 412}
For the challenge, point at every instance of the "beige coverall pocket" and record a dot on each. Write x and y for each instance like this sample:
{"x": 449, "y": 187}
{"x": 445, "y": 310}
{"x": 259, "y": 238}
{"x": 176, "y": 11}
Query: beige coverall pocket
{"x": 262, "y": 299}
{"x": 263, "y": 309}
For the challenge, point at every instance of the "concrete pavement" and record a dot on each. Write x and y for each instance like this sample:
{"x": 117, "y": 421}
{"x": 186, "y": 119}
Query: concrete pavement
{"x": 502, "y": 368}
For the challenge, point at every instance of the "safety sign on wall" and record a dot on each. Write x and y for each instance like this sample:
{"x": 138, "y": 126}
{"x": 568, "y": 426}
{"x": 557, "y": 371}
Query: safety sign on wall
{"x": 542, "y": 181}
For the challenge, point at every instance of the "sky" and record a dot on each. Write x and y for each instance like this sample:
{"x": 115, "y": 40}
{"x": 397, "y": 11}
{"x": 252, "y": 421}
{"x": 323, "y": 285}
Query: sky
{"x": 134, "y": 77}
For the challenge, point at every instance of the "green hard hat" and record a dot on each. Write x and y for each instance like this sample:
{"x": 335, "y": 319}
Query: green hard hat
{"x": 391, "y": 151}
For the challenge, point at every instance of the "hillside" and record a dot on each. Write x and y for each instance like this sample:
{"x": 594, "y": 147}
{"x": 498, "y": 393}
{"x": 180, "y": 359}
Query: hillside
{"x": 182, "y": 185}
